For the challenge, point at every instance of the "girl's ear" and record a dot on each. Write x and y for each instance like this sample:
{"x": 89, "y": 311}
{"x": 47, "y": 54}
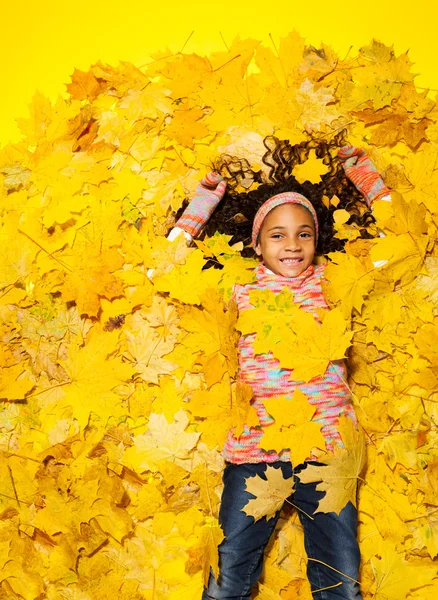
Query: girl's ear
{"x": 258, "y": 249}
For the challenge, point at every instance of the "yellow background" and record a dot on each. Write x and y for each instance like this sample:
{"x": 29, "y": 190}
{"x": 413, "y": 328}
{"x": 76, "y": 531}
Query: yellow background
{"x": 41, "y": 42}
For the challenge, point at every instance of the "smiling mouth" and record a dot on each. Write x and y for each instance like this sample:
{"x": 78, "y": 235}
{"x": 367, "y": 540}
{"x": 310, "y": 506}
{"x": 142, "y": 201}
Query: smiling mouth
{"x": 291, "y": 261}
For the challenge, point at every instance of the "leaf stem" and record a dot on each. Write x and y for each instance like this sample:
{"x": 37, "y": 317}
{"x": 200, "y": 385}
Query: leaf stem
{"x": 425, "y": 515}
{"x": 329, "y": 587}
{"x": 227, "y": 63}
{"x": 49, "y": 254}
{"x": 21, "y": 501}
{"x": 13, "y": 485}
{"x": 278, "y": 56}
{"x": 186, "y": 42}
{"x": 114, "y": 560}
{"x": 333, "y": 569}
{"x": 207, "y": 489}
{"x": 223, "y": 39}
{"x": 22, "y": 456}
{"x": 300, "y": 509}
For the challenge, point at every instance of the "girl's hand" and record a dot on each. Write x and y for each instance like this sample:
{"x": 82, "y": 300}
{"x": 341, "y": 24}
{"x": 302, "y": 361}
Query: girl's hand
{"x": 208, "y": 194}
{"x": 362, "y": 173}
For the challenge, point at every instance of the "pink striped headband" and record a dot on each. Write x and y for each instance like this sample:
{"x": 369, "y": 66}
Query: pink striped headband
{"x": 285, "y": 198}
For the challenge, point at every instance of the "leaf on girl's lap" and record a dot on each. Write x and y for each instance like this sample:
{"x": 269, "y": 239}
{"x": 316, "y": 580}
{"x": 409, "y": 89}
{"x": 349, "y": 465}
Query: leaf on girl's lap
{"x": 339, "y": 475}
{"x": 270, "y": 493}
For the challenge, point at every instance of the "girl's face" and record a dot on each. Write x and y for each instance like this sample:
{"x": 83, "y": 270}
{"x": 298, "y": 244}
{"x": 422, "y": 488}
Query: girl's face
{"x": 287, "y": 240}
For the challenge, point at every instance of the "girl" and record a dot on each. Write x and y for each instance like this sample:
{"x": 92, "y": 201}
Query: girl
{"x": 287, "y": 230}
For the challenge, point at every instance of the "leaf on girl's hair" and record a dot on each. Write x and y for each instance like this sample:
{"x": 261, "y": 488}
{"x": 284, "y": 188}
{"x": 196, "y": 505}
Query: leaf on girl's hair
{"x": 311, "y": 170}
{"x": 341, "y": 216}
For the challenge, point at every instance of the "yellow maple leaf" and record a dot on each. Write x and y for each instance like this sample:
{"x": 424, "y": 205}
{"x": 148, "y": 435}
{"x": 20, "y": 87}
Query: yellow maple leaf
{"x": 402, "y": 256}
{"x": 84, "y": 85}
{"x": 429, "y": 281}
{"x": 293, "y": 428}
{"x": 147, "y": 350}
{"x": 350, "y": 279}
{"x": 211, "y": 536}
{"x": 400, "y": 216}
{"x": 341, "y": 216}
{"x": 400, "y": 448}
{"x": 339, "y": 475}
{"x": 282, "y": 67}
{"x": 163, "y": 317}
{"x": 92, "y": 376}
{"x": 316, "y": 104}
{"x": 225, "y": 405}
{"x": 18, "y": 482}
{"x": 242, "y": 413}
{"x": 382, "y": 75}
{"x": 151, "y": 101}
{"x": 270, "y": 491}
{"x": 186, "y": 126}
{"x": 168, "y": 398}
{"x": 45, "y": 120}
{"x": 188, "y": 590}
{"x": 188, "y": 282}
{"x": 311, "y": 170}
{"x": 164, "y": 440}
{"x": 212, "y": 331}
{"x": 86, "y": 282}
{"x": 425, "y": 536}
{"x": 17, "y": 253}
{"x": 218, "y": 245}
{"x": 263, "y": 319}
{"x": 15, "y": 382}
{"x": 395, "y": 576}
{"x": 315, "y": 346}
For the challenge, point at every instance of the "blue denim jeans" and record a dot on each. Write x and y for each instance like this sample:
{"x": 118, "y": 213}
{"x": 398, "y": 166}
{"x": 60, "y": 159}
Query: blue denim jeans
{"x": 329, "y": 538}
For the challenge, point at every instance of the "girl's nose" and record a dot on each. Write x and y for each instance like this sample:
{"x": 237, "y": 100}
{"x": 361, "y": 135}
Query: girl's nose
{"x": 292, "y": 244}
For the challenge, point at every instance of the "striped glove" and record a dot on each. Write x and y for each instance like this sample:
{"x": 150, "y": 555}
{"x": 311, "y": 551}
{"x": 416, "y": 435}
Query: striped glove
{"x": 207, "y": 196}
{"x": 362, "y": 173}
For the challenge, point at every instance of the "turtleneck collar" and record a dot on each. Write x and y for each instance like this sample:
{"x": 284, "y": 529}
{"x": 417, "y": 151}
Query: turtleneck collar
{"x": 262, "y": 272}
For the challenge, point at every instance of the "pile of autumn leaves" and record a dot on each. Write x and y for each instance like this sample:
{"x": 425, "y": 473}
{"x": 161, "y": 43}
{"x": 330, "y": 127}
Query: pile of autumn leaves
{"x": 117, "y": 392}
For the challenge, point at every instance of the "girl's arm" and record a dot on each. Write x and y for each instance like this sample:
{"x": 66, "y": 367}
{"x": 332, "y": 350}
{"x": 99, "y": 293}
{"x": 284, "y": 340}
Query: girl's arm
{"x": 208, "y": 194}
{"x": 360, "y": 170}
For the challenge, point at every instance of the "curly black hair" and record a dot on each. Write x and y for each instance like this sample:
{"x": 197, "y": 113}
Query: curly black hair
{"x": 235, "y": 213}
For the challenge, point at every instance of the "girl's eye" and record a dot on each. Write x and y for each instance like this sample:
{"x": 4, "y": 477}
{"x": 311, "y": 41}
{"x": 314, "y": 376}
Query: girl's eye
{"x": 276, "y": 236}
{"x": 305, "y": 234}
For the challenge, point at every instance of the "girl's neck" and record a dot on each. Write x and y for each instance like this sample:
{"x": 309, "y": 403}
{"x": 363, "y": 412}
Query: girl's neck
{"x": 263, "y": 272}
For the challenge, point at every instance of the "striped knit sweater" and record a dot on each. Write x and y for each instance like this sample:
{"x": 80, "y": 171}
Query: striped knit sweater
{"x": 263, "y": 373}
